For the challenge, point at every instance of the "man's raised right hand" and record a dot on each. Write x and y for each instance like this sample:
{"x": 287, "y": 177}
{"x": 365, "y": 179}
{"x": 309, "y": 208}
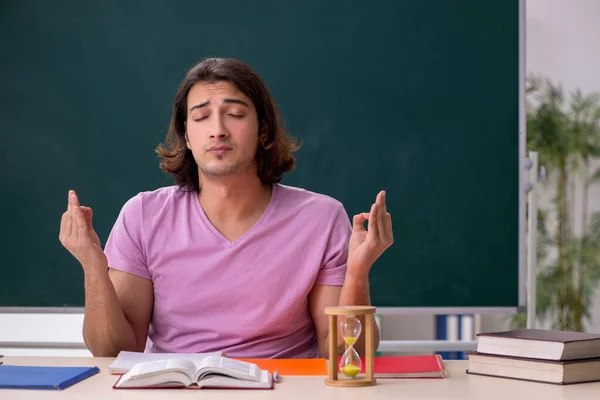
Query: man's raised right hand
{"x": 77, "y": 235}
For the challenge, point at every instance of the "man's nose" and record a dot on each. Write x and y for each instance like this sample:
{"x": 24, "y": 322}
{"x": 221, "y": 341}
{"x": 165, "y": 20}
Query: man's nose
{"x": 220, "y": 135}
{"x": 219, "y": 131}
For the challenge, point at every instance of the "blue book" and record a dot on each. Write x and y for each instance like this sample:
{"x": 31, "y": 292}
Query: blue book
{"x": 49, "y": 378}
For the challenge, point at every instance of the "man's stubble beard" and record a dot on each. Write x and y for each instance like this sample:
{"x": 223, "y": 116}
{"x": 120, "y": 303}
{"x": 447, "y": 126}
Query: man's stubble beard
{"x": 233, "y": 168}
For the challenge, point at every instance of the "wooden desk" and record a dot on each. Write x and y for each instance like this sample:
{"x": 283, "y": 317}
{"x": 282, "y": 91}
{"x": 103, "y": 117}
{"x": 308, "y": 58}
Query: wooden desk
{"x": 458, "y": 385}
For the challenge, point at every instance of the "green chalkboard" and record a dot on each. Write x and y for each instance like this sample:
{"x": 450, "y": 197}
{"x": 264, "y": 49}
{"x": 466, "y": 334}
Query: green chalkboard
{"x": 416, "y": 97}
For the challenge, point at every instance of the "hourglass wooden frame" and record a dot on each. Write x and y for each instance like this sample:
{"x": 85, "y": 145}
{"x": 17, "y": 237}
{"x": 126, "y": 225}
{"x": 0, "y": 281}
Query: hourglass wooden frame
{"x": 356, "y": 311}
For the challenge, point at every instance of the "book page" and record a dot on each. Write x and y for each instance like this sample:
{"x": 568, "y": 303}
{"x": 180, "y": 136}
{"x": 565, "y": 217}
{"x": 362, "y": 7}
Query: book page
{"x": 265, "y": 381}
{"x": 152, "y": 368}
{"x": 239, "y": 366}
{"x": 127, "y": 359}
{"x": 159, "y": 373}
{"x": 227, "y": 366}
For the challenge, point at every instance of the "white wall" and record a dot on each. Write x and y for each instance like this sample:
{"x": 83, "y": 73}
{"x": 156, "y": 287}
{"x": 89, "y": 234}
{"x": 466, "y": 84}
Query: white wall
{"x": 55, "y": 335}
{"x": 563, "y": 43}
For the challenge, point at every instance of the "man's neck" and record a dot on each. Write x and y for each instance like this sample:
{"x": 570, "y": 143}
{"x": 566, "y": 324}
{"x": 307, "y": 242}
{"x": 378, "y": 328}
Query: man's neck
{"x": 234, "y": 200}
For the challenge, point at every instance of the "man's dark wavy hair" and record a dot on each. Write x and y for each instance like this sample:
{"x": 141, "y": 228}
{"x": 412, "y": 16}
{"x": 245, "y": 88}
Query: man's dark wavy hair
{"x": 276, "y": 147}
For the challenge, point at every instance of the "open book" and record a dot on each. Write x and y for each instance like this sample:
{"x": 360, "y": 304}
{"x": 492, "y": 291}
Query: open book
{"x": 127, "y": 359}
{"x": 210, "y": 372}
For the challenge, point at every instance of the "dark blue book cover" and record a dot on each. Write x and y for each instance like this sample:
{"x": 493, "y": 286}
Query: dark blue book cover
{"x": 50, "y": 378}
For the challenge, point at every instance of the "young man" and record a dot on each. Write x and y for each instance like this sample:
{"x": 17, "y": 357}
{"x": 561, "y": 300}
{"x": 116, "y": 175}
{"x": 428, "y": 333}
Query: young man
{"x": 228, "y": 259}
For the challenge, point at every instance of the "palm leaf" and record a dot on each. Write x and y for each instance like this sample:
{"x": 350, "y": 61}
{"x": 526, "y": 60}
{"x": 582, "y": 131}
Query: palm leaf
{"x": 595, "y": 176}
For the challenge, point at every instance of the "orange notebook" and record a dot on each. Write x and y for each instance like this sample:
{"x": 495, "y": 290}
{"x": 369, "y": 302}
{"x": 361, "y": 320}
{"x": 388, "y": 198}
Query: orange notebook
{"x": 291, "y": 366}
{"x": 420, "y": 366}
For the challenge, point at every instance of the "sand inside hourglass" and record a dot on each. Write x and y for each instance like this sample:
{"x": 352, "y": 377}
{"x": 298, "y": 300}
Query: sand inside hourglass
{"x": 350, "y": 370}
{"x": 349, "y": 340}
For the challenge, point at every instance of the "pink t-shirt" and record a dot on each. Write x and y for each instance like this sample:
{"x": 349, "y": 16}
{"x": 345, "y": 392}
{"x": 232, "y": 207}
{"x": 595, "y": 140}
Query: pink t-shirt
{"x": 249, "y": 297}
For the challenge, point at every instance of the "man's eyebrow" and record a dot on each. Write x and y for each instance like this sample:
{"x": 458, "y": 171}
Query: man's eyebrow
{"x": 226, "y": 100}
{"x": 199, "y": 106}
{"x": 236, "y": 101}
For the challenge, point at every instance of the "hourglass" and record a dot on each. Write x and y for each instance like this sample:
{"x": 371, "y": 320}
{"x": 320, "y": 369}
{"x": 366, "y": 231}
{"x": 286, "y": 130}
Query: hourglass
{"x": 345, "y": 320}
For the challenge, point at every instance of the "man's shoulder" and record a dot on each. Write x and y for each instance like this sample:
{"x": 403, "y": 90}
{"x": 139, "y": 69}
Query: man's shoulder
{"x": 155, "y": 200}
{"x": 293, "y": 197}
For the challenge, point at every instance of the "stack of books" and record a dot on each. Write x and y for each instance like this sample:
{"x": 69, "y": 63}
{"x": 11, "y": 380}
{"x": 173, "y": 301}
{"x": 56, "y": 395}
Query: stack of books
{"x": 559, "y": 357}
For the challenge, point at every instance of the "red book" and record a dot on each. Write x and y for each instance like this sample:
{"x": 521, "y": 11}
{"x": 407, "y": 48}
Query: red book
{"x": 420, "y": 366}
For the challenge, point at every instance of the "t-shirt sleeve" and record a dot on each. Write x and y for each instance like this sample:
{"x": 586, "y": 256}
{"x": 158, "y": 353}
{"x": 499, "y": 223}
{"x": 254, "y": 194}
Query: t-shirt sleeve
{"x": 333, "y": 271}
{"x": 124, "y": 247}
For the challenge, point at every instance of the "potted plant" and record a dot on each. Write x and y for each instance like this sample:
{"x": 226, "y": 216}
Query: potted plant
{"x": 566, "y": 135}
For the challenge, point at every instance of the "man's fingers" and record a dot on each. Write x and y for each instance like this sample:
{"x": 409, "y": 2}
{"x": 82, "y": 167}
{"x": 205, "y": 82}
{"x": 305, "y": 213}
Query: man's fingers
{"x": 74, "y": 199}
{"x": 65, "y": 225}
{"x": 70, "y": 220}
{"x": 387, "y": 218}
{"x": 73, "y": 229}
{"x": 78, "y": 216}
{"x": 69, "y": 201}
{"x": 87, "y": 214}
{"x": 372, "y": 226}
{"x": 358, "y": 221}
{"x": 81, "y": 224}
{"x": 80, "y": 228}
{"x": 388, "y": 226}
{"x": 381, "y": 215}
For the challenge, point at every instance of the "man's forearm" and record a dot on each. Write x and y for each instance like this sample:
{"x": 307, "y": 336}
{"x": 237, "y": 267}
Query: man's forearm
{"x": 355, "y": 292}
{"x": 106, "y": 331}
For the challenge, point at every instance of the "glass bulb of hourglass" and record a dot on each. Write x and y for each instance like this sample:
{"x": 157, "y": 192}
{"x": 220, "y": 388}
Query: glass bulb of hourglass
{"x": 350, "y": 329}
{"x": 350, "y": 364}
